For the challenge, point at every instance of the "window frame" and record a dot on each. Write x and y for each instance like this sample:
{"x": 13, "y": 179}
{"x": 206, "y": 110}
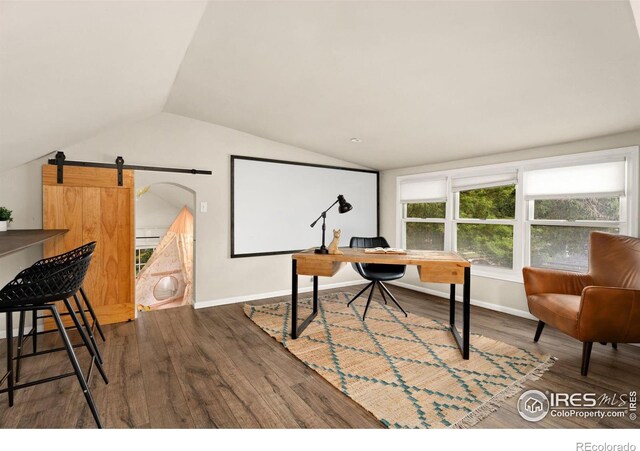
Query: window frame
{"x": 487, "y": 271}
{"x": 405, "y": 220}
{"x": 140, "y": 266}
{"x": 523, "y": 220}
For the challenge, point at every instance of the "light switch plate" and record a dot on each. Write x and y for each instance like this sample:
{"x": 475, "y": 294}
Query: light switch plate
{"x": 203, "y": 207}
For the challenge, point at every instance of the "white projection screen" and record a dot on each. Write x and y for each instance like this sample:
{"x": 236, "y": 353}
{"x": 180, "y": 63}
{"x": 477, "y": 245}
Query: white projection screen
{"x": 273, "y": 204}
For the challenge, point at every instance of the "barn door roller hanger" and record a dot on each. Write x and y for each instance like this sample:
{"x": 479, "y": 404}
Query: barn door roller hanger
{"x": 60, "y": 161}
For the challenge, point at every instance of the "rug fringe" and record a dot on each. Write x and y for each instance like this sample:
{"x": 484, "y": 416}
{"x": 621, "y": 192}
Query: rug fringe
{"x": 496, "y": 402}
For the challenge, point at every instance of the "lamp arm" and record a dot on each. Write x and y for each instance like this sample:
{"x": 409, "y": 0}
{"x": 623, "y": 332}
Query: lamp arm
{"x": 323, "y": 214}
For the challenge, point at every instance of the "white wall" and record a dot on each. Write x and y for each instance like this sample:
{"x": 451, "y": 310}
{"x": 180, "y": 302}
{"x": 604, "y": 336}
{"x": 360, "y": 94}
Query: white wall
{"x": 171, "y": 140}
{"x": 17, "y": 192}
{"x": 492, "y": 293}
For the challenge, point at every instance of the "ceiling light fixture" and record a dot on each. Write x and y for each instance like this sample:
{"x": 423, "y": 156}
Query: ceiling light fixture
{"x": 356, "y": 140}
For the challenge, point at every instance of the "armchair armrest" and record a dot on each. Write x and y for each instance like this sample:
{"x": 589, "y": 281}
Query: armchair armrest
{"x": 538, "y": 280}
{"x": 609, "y": 314}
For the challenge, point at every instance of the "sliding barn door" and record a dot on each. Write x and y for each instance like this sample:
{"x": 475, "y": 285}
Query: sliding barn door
{"x": 91, "y": 205}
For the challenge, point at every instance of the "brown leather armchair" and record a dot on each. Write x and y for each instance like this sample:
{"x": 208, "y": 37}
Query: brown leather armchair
{"x": 602, "y": 305}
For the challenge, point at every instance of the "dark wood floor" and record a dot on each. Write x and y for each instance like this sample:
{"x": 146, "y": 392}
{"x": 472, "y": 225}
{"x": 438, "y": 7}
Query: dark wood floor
{"x": 213, "y": 368}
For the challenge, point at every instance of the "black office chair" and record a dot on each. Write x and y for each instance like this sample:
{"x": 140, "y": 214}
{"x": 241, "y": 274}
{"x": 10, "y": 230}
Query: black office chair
{"x": 376, "y": 272}
{"x": 40, "y": 295}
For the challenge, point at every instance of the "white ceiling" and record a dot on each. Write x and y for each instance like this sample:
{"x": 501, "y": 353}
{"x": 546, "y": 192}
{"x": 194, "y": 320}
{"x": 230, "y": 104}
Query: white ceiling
{"x": 71, "y": 69}
{"x": 418, "y": 82}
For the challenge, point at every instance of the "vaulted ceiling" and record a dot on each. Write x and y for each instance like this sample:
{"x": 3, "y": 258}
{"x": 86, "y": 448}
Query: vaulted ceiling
{"x": 415, "y": 82}
{"x": 69, "y": 70}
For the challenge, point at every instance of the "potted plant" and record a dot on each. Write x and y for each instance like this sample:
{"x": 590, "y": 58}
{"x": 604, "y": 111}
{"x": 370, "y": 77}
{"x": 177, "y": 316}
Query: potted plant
{"x": 5, "y": 218}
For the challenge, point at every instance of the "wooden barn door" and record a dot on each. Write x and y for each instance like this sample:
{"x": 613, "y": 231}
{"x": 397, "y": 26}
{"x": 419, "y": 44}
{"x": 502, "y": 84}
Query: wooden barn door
{"x": 93, "y": 207}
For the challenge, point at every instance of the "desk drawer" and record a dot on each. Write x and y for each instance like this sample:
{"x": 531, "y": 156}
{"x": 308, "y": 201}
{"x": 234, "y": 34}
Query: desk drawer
{"x": 318, "y": 267}
{"x": 441, "y": 272}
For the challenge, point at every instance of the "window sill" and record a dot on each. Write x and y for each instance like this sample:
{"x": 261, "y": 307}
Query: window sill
{"x": 507, "y": 276}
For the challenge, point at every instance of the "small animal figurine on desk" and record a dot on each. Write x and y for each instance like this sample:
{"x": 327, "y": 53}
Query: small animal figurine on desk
{"x": 333, "y": 247}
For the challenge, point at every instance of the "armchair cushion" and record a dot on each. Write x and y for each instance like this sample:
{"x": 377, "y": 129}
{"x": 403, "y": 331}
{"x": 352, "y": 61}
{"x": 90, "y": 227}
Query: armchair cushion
{"x": 559, "y": 310}
{"x": 538, "y": 280}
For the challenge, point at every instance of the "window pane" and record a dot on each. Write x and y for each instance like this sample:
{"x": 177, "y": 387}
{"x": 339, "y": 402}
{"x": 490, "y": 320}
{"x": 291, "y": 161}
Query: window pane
{"x": 486, "y": 244}
{"x": 425, "y": 235}
{"x": 592, "y": 209}
{"x": 426, "y": 210}
{"x": 142, "y": 257}
{"x": 489, "y": 203}
{"x": 562, "y": 247}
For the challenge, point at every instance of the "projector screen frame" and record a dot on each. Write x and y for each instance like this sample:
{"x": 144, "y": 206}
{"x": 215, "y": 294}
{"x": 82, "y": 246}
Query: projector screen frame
{"x": 294, "y": 163}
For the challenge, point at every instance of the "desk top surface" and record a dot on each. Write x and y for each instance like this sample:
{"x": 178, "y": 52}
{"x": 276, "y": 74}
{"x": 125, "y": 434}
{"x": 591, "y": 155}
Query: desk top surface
{"x": 15, "y": 240}
{"x": 412, "y": 257}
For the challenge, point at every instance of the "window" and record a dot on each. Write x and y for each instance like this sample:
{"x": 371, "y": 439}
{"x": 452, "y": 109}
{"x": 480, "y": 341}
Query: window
{"x": 566, "y": 204}
{"x": 424, "y": 211}
{"x": 142, "y": 257}
{"x": 562, "y": 247}
{"x": 529, "y": 213}
{"x": 424, "y": 225}
{"x": 484, "y": 227}
{"x": 560, "y": 229}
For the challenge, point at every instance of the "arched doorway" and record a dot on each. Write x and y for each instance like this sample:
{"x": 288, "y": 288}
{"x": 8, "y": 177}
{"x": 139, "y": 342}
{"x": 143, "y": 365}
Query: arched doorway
{"x": 164, "y": 246}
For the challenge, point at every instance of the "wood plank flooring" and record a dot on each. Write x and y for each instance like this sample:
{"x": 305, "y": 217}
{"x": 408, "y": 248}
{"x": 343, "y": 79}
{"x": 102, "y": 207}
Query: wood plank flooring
{"x": 214, "y": 368}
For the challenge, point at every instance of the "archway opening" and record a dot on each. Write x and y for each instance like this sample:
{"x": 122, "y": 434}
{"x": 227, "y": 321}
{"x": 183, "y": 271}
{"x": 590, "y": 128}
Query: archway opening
{"x": 164, "y": 246}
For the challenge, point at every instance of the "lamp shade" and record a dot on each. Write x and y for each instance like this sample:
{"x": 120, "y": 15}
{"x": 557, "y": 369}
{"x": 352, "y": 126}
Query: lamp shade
{"x": 344, "y": 205}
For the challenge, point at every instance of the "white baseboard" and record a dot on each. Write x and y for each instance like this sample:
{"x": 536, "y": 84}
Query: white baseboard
{"x": 483, "y": 304}
{"x": 273, "y": 294}
{"x": 16, "y": 331}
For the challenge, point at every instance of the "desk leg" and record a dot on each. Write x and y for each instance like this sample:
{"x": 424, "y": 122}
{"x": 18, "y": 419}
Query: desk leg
{"x": 461, "y": 341}
{"x": 315, "y": 294}
{"x": 466, "y": 313}
{"x": 452, "y": 304}
{"x": 294, "y": 299}
{"x": 295, "y": 329}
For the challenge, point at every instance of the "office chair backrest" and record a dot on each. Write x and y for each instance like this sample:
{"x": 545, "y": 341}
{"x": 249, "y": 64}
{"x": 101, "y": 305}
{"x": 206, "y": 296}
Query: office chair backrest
{"x": 368, "y": 242}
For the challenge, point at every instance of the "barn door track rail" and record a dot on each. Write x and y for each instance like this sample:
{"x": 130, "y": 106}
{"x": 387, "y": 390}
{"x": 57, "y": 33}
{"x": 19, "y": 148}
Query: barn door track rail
{"x": 61, "y": 161}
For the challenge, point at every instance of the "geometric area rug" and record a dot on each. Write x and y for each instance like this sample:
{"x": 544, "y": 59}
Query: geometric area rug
{"x": 407, "y": 372}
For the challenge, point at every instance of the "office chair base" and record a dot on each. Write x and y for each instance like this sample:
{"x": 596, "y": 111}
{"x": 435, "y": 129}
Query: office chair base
{"x": 382, "y": 290}
{"x": 359, "y": 293}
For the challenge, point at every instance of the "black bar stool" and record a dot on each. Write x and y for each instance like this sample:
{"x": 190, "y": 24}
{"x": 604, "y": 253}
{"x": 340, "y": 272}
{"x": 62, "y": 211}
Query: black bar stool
{"x": 39, "y": 270}
{"x": 39, "y": 295}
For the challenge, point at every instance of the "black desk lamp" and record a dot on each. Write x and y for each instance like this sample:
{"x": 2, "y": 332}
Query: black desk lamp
{"x": 343, "y": 208}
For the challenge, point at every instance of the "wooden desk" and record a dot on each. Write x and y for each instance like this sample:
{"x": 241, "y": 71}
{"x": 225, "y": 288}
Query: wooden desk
{"x": 433, "y": 266}
{"x": 15, "y": 240}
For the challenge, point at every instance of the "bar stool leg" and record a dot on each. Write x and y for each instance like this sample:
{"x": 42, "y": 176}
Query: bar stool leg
{"x": 20, "y": 344}
{"x": 87, "y": 326}
{"x": 34, "y": 327}
{"x": 10, "y": 375}
{"x": 92, "y": 313}
{"x": 76, "y": 365}
{"x": 86, "y": 341}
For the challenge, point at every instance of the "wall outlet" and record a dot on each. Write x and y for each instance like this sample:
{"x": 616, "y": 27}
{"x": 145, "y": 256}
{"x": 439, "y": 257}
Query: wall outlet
{"x": 203, "y": 207}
